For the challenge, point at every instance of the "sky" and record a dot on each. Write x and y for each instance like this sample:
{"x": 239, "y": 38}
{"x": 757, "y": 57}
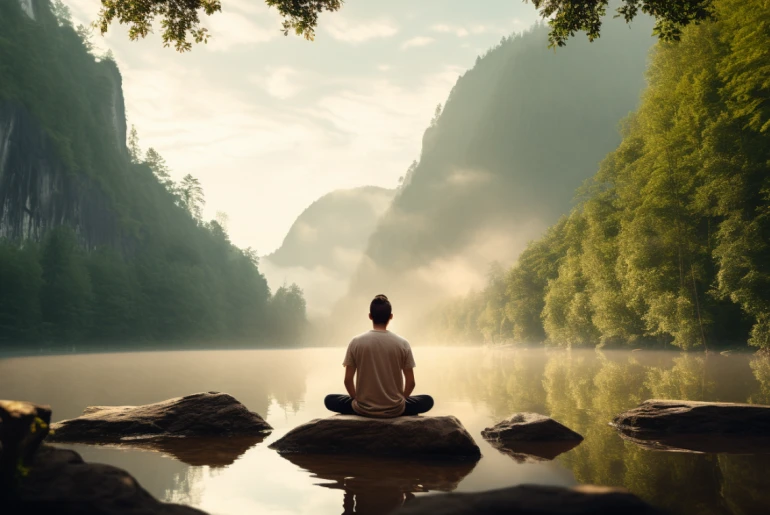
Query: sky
{"x": 269, "y": 123}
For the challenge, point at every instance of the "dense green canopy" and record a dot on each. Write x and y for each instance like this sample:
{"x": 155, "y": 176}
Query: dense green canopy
{"x": 671, "y": 240}
{"x": 161, "y": 272}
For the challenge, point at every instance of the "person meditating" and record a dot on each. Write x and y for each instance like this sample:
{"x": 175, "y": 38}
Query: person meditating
{"x": 379, "y": 360}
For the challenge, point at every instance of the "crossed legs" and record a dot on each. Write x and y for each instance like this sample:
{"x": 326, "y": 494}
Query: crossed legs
{"x": 343, "y": 404}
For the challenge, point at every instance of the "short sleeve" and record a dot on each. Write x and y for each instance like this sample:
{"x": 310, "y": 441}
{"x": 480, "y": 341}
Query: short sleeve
{"x": 408, "y": 357}
{"x": 349, "y": 359}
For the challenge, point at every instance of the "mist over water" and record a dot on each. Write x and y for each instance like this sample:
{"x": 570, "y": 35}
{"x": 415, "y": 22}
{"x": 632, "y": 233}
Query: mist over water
{"x": 582, "y": 389}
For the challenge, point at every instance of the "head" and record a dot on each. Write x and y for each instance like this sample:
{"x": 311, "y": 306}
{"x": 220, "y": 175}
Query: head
{"x": 380, "y": 311}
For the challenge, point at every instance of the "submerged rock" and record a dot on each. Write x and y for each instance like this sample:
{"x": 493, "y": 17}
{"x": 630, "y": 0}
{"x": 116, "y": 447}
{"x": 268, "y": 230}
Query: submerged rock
{"x": 657, "y": 417}
{"x": 197, "y": 415}
{"x": 414, "y": 437}
{"x": 533, "y": 500}
{"x": 59, "y": 481}
{"x": 528, "y": 437}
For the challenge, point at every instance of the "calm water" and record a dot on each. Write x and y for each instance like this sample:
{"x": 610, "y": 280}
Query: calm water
{"x": 582, "y": 389}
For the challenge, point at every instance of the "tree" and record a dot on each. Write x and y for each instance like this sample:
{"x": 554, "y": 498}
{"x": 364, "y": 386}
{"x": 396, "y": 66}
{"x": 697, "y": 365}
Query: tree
{"x": 436, "y": 115}
{"x": 85, "y": 34}
{"x": 181, "y": 20}
{"x": 134, "y": 151}
{"x": 566, "y": 17}
{"x": 65, "y": 296}
{"x": 191, "y": 196}
{"x": 62, "y": 13}
{"x": 159, "y": 167}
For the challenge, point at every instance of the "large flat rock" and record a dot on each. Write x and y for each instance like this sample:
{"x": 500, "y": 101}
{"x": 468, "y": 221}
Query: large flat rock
{"x": 198, "y": 415}
{"x": 532, "y": 500}
{"x": 657, "y": 417}
{"x": 414, "y": 437}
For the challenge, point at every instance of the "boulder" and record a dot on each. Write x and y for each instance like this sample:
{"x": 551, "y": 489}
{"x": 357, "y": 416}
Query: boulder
{"x": 59, "y": 481}
{"x": 654, "y": 418}
{"x": 532, "y": 500}
{"x": 23, "y": 426}
{"x": 531, "y": 437}
{"x": 43, "y": 479}
{"x": 197, "y": 415}
{"x": 414, "y": 437}
{"x": 529, "y": 427}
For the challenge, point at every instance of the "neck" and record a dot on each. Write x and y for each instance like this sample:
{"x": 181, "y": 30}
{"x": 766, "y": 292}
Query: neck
{"x": 380, "y": 327}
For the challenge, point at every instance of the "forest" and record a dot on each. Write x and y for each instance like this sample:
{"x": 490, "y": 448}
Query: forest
{"x": 668, "y": 242}
{"x": 163, "y": 273}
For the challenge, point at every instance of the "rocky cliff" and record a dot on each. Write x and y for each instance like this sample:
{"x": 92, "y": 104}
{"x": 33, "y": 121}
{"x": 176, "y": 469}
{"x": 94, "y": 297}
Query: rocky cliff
{"x": 51, "y": 171}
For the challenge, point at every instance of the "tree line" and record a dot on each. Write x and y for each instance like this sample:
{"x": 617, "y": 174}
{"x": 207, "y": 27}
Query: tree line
{"x": 670, "y": 241}
{"x": 167, "y": 274}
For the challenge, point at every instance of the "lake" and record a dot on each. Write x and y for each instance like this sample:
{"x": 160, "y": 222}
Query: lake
{"x": 583, "y": 389}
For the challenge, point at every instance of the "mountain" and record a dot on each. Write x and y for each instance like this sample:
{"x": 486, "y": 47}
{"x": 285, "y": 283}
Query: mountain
{"x": 92, "y": 244}
{"x": 326, "y": 242}
{"x": 671, "y": 240}
{"x": 519, "y": 132}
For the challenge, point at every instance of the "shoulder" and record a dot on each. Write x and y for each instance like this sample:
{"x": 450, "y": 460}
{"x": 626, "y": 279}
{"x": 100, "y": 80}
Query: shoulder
{"x": 400, "y": 339}
{"x": 359, "y": 338}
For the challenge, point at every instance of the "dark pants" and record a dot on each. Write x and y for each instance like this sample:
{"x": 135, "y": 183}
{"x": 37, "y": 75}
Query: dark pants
{"x": 343, "y": 404}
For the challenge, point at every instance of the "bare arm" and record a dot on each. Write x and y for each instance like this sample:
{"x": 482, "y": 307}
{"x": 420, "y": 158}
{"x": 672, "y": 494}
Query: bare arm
{"x": 409, "y": 384}
{"x": 350, "y": 385}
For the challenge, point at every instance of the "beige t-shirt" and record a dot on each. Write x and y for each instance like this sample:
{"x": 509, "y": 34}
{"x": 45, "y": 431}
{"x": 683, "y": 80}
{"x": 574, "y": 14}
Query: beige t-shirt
{"x": 379, "y": 357}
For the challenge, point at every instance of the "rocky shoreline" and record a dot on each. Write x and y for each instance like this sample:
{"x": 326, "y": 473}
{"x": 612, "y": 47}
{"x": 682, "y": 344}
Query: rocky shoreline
{"x": 421, "y": 453}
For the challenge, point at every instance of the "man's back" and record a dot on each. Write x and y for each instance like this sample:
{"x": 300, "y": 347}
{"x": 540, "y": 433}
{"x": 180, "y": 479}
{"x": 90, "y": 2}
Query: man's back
{"x": 379, "y": 357}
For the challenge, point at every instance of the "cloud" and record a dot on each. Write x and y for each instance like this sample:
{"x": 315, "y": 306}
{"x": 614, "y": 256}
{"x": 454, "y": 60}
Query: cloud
{"x": 283, "y": 82}
{"x": 230, "y": 29}
{"x": 384, "y": 67}
{"x": 354, "y": 32}
{"x": 417, "y": 42}
{"x": 460, "y": 32}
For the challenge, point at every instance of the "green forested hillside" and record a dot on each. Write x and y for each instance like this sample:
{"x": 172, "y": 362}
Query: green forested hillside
{"x": 500, "y": 162}
{"x": 671, "y": 238}
{"x": 97, "y": 242}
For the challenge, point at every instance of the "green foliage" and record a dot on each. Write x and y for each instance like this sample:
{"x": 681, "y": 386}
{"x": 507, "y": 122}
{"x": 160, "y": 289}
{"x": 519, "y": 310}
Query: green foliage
{"x": 670, "y": 240}
{"x": 567, "y": 17}
{"x": 22, "y": 278}
{"x": 287, "y": 309}
{"x": 159, "y": 272}
{"x": 181, "y": 20}
{"x": 66, "y": 295}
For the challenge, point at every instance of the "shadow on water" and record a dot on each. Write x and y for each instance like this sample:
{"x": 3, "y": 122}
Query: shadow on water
{"x": 534, "y": 452}
{"x": 378, "y": 486}
{"x": 211, "y": 452}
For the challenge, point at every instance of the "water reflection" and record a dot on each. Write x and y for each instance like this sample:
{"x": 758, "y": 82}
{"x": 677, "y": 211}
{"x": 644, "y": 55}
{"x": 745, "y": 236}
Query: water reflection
{"x": 581, "y": 389}
{"x": 585, "y": 390}
{"x": 200, "y": 452}
{"x": 379, "y": 486}
{"x": 533, "y": 452}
